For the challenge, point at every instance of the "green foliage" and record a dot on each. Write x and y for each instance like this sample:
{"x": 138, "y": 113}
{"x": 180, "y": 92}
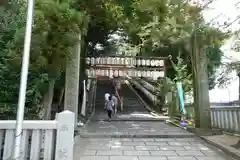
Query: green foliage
{"x": 169, "y": 85}
{"x": 168, "y": 31}
{"x": 182, "y": 74}
{"x": 106, "y": 16}
{"x": 170, "y": 21}
{"x": 166, "y": 85}
{"x": 55, "y": 30}
{"x": 156, "y": 27}
{"x": 12, "y": 23}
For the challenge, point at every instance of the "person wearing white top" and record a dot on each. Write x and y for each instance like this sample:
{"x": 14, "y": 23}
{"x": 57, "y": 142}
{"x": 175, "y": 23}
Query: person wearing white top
{"x": 106, "y": 97}
{"x": 109, "y": 107}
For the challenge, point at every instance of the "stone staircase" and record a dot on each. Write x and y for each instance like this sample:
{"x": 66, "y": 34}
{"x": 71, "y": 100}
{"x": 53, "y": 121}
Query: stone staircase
{"x": 103, "y": 86}
{"x": 133, "y": 109}
{"x": 134, "y": 121}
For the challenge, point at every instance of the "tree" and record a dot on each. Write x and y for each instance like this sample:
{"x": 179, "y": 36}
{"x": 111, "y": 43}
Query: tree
{"x": 165, "y": 85}
{"x": 106, "y": 16}
{"x": 12, "y": 22}
{"x": 157, "y": 28}
{"x": 167, "y": 29}
{"x": 56, "y": 25}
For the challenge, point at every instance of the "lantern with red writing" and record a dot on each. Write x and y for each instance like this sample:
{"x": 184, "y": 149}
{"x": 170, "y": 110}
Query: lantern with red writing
{"x": 99, "y": 76}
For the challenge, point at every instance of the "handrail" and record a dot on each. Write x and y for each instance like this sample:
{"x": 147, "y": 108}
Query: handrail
{"x": 118, "y": 96}
{"x": 139, "y": 97}
{"x": 83, "y": 110}
{"x": 147, "y": 85}
{"x": 147, "y": 93}
{"x": 88, "y": 84}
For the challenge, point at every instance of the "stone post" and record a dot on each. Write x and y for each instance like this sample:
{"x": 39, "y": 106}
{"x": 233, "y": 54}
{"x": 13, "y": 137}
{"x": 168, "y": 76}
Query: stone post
{"x": 65, "y": 136}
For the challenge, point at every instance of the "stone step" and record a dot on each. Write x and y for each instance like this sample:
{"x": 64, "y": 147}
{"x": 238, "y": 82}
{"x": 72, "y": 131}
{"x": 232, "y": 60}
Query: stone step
{"x": 125, "y": 135}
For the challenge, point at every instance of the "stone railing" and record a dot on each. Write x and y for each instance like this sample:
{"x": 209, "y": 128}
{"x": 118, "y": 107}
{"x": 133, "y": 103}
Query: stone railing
{"x": 226, "y": 118}
{"x": 48, "y": 139}
{"x": 146, "y": 92}
{"x": 223, "y": 116}
{"x": 147, "y": 85}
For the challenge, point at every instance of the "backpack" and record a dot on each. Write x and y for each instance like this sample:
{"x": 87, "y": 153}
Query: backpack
{"x": 110, "y": 105}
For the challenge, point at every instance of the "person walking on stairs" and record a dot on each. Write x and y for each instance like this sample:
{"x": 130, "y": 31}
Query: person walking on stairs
{"x": 110, "y": 105}
{"x": 106, "y": 96}
{"x": 115, "y": 100}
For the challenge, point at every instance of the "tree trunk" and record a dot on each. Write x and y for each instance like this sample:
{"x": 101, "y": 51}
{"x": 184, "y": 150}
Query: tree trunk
{"x": 61, "y": 96}
{"x": 72, "y": 80}
{"x": 201, "y": 93}
{"x": 60, "y": 100}
{"x": 47, "y": 100}
{"x": 195, "y": 81}
{"x": 204, "y": 106}
{"x": 172, "y": 110}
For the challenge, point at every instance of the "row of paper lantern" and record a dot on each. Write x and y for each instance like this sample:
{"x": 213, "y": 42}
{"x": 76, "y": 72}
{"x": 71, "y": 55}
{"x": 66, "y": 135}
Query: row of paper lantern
{"x": 124, "y": 61}
{"x": 123, "y": 73}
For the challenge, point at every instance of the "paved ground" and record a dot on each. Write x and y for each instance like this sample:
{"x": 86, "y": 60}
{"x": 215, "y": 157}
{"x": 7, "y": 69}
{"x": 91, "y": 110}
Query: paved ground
{"x": 137, "y": 137}
{"x": 228, "y": 143}
{"x": 132, "y": 129}
{"x": 145, "y": 149}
